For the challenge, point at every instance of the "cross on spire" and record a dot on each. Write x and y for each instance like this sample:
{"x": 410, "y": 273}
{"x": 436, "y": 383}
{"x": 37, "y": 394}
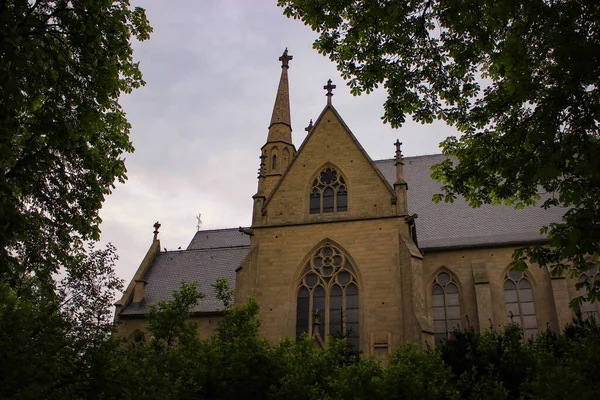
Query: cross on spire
{"x": 329, "y": 87}
{"x": 285, "y": 58}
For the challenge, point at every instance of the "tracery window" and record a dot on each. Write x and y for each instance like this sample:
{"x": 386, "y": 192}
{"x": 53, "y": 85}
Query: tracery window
{"x": 328, "y": 297}
{"x": 520, "y": 308}
{"x": 446, "y": 306}
{"x": 588, "y": 309}
{"x": 328, "y": 193}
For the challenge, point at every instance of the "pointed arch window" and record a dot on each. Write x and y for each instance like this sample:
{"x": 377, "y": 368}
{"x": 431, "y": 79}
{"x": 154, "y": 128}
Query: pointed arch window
{"x": 446, "y": 306}
{"x": 329, "y": 192}
{"x": 274, "y": 162}
{"x": 588, "y": 309}
{"x": 520, "y": 307}
{"x": 327, "y": 302}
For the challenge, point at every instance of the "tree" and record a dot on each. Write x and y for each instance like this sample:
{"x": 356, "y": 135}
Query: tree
{"x": 168, "y": 317}
{"x": 87, "y": 294}
{"x": 54, "y": 342}
{"x": 520, "y": 80}
{"x": 223, "y": 292}
{"x": 63, "y": 66}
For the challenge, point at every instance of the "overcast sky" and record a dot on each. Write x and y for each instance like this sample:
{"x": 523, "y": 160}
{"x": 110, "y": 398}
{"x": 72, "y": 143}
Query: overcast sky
{"x": 212, "y": 72}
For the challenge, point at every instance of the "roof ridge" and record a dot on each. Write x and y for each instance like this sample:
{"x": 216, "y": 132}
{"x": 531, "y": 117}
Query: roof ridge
{"x": 205, "y": 249}
{"x": 409, "y": 157}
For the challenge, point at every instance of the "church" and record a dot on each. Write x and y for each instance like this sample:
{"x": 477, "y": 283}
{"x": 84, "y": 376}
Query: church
{"x": 344, "y": 246}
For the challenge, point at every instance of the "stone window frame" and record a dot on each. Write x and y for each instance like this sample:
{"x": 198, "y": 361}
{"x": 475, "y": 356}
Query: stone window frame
{"x": 318, "y": 188}
{"x": 521, "y": 301}
{"x": 273, "y": 160}
{"x": 329, "y": 268}
{"x": 445, "y": 280}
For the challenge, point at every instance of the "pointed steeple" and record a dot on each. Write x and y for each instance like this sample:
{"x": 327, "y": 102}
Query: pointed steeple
{"x": 280, "y": 129}
{"x": 277, "y": 153}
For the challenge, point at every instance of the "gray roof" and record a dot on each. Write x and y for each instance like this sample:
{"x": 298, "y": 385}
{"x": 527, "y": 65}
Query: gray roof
{"x": 451, "y": 225}
{"x": 205, "y": 266}
{"x": 218, "y": 238}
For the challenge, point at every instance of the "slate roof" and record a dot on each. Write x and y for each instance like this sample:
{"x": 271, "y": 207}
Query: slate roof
{"x": 218, "y": 238}
{"x": 205, "y": 266}
{"x": 453, "y": 225}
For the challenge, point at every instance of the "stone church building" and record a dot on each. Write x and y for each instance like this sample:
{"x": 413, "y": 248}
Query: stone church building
{"x": 341, "y": 245}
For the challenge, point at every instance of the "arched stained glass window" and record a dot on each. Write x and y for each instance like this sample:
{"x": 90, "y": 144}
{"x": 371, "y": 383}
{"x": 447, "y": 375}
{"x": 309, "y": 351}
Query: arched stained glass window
{"x": 328, "y": 193}
{"x": 327, "y": 301}
{"x": 520, "y": 307}
{"x": 445, "y": 301}
{"x": 274, "y": 162}
{"x": 588, "y": 309}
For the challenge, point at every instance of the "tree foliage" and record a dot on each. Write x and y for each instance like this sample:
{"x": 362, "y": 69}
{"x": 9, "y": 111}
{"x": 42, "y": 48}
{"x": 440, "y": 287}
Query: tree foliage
{"x": 520, "y": 80}
{"x": 223, "y": 292}
{"x": 236, "y": 363}
{"x": 169, "y": 318}
{"x": 63, "y": 66}
{"x": 54, "y": 342}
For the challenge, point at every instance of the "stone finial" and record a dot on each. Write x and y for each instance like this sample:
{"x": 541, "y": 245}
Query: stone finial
{"x": 309, "y": 127}
{"x": 398, "y": 151}
{"x": 329, "y": 87}
{"x": 285, "y": 58}
{"x": 156, "y": 228}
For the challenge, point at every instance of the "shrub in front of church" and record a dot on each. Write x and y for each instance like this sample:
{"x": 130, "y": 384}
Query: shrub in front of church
{"x": 235, "y": 363}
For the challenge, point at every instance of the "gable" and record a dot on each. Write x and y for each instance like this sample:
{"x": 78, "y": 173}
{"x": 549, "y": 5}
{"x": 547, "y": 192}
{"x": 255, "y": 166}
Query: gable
{"x": 330, "y": 143}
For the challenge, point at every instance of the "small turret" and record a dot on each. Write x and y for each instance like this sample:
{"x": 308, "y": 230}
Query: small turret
{"x": 400, "y": 186}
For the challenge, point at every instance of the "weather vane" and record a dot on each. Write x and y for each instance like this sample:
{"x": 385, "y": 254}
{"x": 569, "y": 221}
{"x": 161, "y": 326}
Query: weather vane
{"x": 199, "y": 219}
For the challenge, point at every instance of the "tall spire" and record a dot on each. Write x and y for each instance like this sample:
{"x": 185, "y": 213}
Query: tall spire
{"x": 280, "y": 128}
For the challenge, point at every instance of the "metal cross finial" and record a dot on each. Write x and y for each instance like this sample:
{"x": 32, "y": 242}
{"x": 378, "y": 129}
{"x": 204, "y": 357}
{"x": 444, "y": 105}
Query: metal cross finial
{"x": 285, "y": 58}
{"x": 329, "y": 87}
{"x": 199, "y": 221}
{"x": 309, "y": 127}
